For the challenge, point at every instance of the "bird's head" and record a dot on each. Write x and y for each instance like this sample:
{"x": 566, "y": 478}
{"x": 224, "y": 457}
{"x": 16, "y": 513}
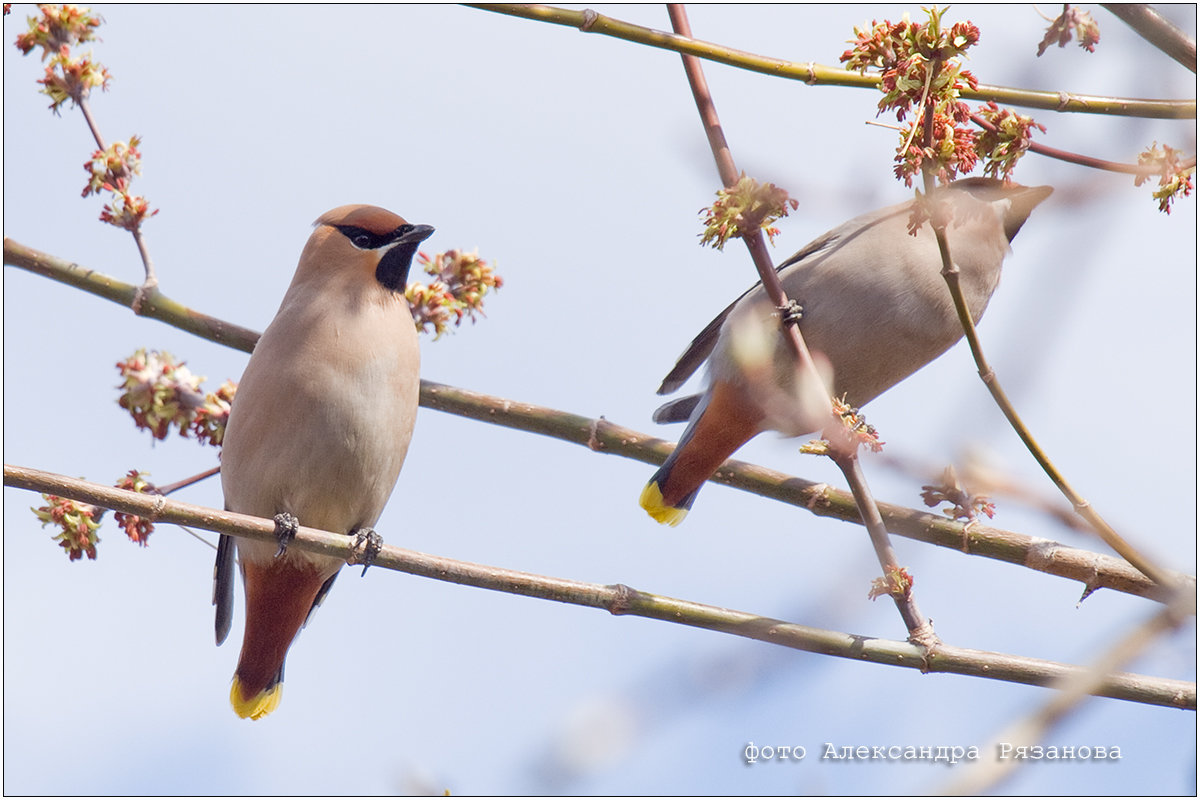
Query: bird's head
{"x": 365, "y": 240}
{"x": 1012, "y": 202}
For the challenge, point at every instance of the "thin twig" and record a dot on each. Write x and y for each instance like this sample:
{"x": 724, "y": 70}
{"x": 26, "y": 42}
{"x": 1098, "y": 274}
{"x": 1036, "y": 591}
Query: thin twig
{"x": 617, "y": 599}
{"x": 987, "y": 374}
{"x": 86, "y": 109}
{"x": 983, "y": 777}
{"x": 843, "y": 452}
{"x": 171, "y": 488}
{"x": 1088, "y": 161}
{"x": 815, "y": 74}
{"x": 150, "y": 283}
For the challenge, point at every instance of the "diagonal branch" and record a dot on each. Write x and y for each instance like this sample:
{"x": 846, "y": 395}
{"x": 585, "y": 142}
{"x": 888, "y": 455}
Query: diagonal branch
{"x": 983, "y": 777}
{"x": 154, "y": 304}
{"x": 1081, "y": 505}
{"x": 619, "y": 599}
{"x": 843, "y": 452}
{"x": 813, "y": 74}
{"x": 1158, "y": 30}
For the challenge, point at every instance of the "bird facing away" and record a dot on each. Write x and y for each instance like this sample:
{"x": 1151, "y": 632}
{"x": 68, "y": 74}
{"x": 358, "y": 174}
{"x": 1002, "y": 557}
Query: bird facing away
{"x": 318, "y": 430}
{"x": 874, "y": 309}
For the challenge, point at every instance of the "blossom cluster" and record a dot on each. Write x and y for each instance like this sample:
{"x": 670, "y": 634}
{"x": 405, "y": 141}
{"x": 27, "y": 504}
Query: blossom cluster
{"x": 78, "y": 522}
{"x": 1075, "y": 23}
{"x": 896, "y": 582}
{"x": 964, "y": 504}
{"x": 922, "y": 75}
{"x": 159, "y": 393}
{"x": 743, "y": 208}
{"x": 73, "y": 77}
{"x": 1174, "y": 179}
{"x": 460, "y": 282}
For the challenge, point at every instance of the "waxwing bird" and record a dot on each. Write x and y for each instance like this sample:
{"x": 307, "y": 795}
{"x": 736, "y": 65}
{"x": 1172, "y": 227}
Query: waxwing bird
{"x": 318, "y": 430}
{"x": 874, "y": 309}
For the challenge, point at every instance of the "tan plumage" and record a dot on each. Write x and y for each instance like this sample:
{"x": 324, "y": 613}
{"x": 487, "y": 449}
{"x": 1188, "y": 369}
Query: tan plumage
{"x": 318, "y": 429}
{"x": 875, "y": 310}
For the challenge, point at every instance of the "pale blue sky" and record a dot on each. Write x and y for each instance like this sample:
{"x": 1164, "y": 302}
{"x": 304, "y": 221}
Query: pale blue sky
{"x": 577, "y": 163}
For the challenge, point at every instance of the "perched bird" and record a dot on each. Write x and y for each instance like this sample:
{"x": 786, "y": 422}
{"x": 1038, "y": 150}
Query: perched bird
{"x": 874, "y": 309}
{"x": 318, "y": 430}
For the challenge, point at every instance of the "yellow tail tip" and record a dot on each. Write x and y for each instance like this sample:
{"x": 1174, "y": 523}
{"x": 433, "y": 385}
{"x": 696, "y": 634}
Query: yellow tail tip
{"x": 257, "y": 706}
{"x": 652, "y": 501}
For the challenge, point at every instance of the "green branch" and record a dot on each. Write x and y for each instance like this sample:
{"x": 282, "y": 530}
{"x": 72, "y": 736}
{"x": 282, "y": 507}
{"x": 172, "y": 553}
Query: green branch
{"x": 619, "y": 599}
{"x": 153, "y": 303}
{"x": 814, "y": 74}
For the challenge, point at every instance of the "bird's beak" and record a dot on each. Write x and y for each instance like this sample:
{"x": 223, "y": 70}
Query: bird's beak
{"x": 1021, "y": 203}
{"x": 419, "y": 233}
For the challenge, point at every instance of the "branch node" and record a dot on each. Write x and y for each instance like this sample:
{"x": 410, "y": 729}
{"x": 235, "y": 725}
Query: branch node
{"x": 966, "y": 539}
{"x": 593, "y": 441}
{"x": 622, "y": 599}
{"x": 924, "y": 637}
{"x": 160, "y": 505}
{"x": 143, "y": 291}
{"x": 589, "y": 19}
{"x": 811, "y": 78}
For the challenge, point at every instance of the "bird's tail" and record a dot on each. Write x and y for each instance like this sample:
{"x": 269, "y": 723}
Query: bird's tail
{"x": 724, "y": 419}
{"x": 280, "y": 593}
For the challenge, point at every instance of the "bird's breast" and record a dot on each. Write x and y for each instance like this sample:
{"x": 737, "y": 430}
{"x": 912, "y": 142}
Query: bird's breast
{"x": 323, "y": 417}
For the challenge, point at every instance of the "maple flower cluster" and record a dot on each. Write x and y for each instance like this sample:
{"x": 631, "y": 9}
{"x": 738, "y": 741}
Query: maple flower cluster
{"x": 1005, "y": 137}
{"x": 1173, "y": 179}
{"x": 138, "y": 529}
{"x": 964, "y": 504}
{"x": 856, "y": 432}
{"x": 78, "y": 521}
{"x": 159, "y": 392}
{"x": 743, "y": 208}
{"x": 460, "y": 282}
{"x": 1073, "y": 22}
{"x": 55, "y": 32}
{"x": 922, "y": 74}
{"x": 73, "y": 77}
{"x": 896, "y": 583}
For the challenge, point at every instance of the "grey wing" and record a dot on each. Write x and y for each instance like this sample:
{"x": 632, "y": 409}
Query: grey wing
{"x": 678, "y": 410}
{"x": 223, "y": 586}
{"x": 702, "y": 346}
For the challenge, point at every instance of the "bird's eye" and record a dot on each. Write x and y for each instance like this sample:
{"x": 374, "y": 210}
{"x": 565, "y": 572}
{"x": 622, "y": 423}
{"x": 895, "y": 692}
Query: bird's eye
{"x": 362, "y": 240}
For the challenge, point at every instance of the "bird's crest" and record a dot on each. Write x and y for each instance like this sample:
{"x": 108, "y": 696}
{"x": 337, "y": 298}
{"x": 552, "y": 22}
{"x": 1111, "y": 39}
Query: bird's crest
{"x": 370, "y": 218}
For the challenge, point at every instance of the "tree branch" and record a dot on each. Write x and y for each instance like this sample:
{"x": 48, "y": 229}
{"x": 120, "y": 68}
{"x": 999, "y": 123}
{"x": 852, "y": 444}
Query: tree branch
{"x": 981, "y": 778}
{"x": 154, "y": 304}
{"x": 1156, "y": 29}
{"x": 618, "y": 599}
{"x": 1094, "y": 570}
{"x": 811, "y": 73}
{"x": 843, "y": 451}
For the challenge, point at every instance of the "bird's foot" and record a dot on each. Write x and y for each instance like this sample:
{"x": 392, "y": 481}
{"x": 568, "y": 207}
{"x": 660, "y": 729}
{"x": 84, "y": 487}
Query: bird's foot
{"x": 286, "y": 526}
{"x": 369, "y": 543}
{"x": 792, "y": 313}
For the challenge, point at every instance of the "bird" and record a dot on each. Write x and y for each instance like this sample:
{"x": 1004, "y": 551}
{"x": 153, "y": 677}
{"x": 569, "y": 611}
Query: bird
{"x": 317, "y": 431}
{"x": 873, "y": 308}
